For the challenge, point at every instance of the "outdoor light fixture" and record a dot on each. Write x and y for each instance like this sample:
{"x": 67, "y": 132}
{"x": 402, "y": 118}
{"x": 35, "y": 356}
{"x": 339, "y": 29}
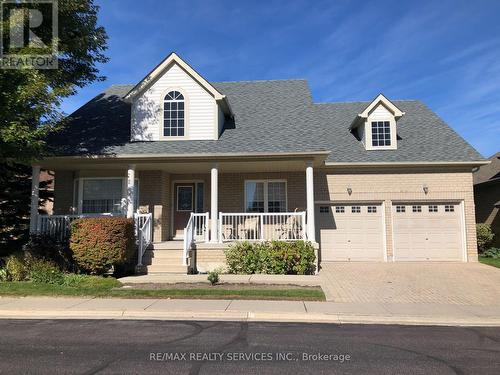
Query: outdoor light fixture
{"x": 349, "y": 190}
{"x": 426, "y": 189}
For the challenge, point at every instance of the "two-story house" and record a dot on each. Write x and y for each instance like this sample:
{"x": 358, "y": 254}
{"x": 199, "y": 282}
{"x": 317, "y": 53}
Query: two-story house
{"x": 209, "y": 163}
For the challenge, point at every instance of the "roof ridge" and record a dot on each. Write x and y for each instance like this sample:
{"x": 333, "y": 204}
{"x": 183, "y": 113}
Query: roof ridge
{"x": 365, "y": 101}
{"x": 121, "y": 84}
{"x": 262, "y": 80}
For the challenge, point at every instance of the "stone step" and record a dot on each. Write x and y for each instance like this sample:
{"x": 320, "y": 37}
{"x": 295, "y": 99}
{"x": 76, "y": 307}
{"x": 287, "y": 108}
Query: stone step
{"x": 171, "y": 268}
{"x": 168, "y": 245}
{"x": 167, "y": 254}
{"x": 163, "y": 261}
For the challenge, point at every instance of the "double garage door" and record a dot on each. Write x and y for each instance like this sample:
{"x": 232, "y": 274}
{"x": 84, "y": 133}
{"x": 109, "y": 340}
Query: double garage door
{"x": 356, "y": 232}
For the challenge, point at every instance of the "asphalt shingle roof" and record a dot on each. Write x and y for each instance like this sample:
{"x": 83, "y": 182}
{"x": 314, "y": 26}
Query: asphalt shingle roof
{"x": 488, "y": 172}
{"x": 270, "y": 116}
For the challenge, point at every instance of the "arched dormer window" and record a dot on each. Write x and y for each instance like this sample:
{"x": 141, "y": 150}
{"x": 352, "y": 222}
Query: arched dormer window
{"x": 173, "y": 115}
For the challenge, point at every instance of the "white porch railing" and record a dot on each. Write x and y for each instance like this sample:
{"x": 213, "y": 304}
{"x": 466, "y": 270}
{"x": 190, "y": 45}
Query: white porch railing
{"x": 285, "y": 226}
{"x": 144, "y": 228}
{"x": 196, "y": 230}
{"x": 58, "y": 226}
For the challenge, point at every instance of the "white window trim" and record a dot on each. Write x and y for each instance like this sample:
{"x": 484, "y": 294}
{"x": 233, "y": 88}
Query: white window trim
{"x": 79, "y": 182}
{"x": 186, "y": 115}
{"x": 266, "y": 200}
{"x": 368, "y": 133}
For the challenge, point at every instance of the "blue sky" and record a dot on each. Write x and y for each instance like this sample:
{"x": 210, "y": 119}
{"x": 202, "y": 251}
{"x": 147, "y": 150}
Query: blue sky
{"x": 445, "y": 53}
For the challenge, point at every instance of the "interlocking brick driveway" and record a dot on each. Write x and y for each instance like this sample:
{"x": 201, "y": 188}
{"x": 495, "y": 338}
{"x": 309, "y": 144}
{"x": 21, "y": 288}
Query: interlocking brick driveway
{"x": 442, "y": 283}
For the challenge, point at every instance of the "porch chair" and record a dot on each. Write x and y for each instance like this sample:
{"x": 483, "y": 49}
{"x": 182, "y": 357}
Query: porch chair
{"x": 290, "y": 228}
{"x": 250, "y": 225}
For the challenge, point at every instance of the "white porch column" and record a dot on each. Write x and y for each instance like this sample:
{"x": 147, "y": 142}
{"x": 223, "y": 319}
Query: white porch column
{"x": 130, "y": 191}
{"x": 311, "y": 229}
{"x": 35, "y": 188}
{"x": 214, "y": 207}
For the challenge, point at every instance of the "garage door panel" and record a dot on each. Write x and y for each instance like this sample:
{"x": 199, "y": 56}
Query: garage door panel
{"x": 351, "y": 236}
{"x": 427, "y": 235}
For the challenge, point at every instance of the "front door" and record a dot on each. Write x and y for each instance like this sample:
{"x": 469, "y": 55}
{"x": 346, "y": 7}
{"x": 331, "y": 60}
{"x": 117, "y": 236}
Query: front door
{"x": 188, "y": 198}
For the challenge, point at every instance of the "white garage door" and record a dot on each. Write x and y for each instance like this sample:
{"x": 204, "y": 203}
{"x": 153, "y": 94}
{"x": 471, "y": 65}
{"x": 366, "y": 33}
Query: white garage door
{"x": 427, "y": 231}
{"x": 351, "y": 232}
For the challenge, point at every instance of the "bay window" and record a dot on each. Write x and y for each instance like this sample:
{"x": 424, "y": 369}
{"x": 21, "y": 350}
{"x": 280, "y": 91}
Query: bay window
{"x": 265, "y": 196}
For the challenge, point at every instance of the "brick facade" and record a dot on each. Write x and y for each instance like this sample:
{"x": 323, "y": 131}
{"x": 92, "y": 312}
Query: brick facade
{"x": 404, "y": 184}
{"x": 368, "y": 185}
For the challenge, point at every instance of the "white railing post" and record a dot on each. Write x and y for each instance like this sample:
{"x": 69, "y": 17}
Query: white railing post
{"x": 303, "y": 225}
{"x": 207, "y": 234}
{"x": 188, "y": 239}
{"x": 143, "y": 223}
{"x": 221, "y": 223}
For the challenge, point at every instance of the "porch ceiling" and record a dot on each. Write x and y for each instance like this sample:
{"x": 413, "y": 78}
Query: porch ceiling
{"x": 191, "y": 164}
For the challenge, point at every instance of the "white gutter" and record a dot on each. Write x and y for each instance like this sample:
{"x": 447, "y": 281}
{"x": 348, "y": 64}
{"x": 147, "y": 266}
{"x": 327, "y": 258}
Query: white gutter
{"x": 406, "y": 163}
{"x": 193, "y": 156}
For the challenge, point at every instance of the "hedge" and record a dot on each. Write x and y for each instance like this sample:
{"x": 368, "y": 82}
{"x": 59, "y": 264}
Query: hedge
{"x": 101, "y": 243}
{"x": 276, "y": 257}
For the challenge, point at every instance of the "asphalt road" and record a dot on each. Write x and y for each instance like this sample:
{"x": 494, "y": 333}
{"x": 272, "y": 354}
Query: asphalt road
{"x": 143, "y": 347}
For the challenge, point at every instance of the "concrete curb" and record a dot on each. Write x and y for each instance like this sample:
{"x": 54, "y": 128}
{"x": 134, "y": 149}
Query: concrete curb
{"x": 249, "y": 317}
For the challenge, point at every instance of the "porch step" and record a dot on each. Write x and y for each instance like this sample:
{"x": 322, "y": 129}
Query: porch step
{"x": 163, "y": 254}
{"x": 165, "y": 257}
{"x": 162, "y": 261}
{"x": 168, "y": 245}
{"x": 170, "y": 268}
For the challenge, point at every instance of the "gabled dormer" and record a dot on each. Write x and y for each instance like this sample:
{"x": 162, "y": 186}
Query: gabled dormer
{"x": 174, "y": 102}
{"x": 376, "y": 125}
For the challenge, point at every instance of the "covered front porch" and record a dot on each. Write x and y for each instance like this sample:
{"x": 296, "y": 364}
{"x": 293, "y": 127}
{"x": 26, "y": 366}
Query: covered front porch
{"x": 194, "y": 201}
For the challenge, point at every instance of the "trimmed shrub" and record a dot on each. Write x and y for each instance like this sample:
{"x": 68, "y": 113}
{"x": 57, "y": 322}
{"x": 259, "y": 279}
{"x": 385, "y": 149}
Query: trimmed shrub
{"x": 102, "y": 242}
{"x": 42, "y": 271}
{"x": 243, "y": 258}
{"x": 16, "y": 268}
{"x": 493, "y": 252}
{"x": 484, "y": 237}
{"x": 52, "y": 250}
{"x": 276, "y": 257}
{"x": 213, "y": 277}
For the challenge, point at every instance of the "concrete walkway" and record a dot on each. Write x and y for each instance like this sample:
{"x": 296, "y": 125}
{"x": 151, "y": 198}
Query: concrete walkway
{"x": 246, "y": 310}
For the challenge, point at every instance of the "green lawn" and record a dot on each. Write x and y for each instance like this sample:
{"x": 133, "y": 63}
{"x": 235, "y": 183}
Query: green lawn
{"x": 490, "y": 261}
{"x": 101, "y": 287}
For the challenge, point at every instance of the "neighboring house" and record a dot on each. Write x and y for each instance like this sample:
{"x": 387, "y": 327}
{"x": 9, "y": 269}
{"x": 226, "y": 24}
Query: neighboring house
{"x": 215, "y": 162}
{"x": 487, "y": 195}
